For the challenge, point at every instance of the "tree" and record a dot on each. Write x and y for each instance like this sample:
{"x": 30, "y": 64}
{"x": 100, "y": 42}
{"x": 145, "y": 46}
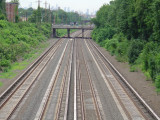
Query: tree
{"x": 39, "y": 16}
{"x": 15, "y": 1}
{"x": 2, "y": 10}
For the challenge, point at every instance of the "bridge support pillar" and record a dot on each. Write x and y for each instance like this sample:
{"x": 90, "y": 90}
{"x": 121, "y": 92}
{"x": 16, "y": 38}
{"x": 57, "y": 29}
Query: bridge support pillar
{"x": 82, "y": 33}
{"x": 54, "y": 33}
{"x": 68, "y": 31}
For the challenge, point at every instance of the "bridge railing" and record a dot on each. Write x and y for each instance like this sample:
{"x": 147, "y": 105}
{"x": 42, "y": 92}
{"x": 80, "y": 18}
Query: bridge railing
{"x": 73, "y": 26}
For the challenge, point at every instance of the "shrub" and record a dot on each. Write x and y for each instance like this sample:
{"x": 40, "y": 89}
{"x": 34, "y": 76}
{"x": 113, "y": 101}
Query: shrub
{"x": 157, "y": 82}
{"x": 135, "y": 49}
{"x": 4, "y": 63}
{"x": 152, "y": 67}
{"x": 3, "y": 23}
{"x": 147, "y": 51}
{"x": 18, "y": 38}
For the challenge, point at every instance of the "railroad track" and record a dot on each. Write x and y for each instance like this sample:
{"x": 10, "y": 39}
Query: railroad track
{"x": 82, "y": 88}
{"x": 71, "y": 93}
{"x": 138, "y": 100}
{"x": 12, "y": 101}
{"x": 62, "y": 104}
{"x": 71, "y": 81}
{"x": 14, "y": 95}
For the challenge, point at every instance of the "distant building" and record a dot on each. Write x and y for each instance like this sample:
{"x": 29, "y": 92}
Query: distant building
{"x": 87, "y": 12}
{"x": 10, "y": 11}
{"x": 23, "y": 19}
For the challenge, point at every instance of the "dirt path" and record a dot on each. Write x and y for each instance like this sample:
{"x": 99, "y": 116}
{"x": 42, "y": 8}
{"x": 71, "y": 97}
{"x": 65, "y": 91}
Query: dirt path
{"x": 145, "y": 88}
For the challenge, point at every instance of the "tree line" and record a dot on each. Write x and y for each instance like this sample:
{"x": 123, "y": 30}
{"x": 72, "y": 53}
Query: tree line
{"x": 51, "y": 16}
{"x": 18, "y": 39}
{"x": 130, "y": 29}
{"x": 43, "y": 15}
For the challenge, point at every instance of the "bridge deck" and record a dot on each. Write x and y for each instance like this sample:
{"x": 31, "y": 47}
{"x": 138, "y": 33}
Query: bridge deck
{"x": 89, "y": 27}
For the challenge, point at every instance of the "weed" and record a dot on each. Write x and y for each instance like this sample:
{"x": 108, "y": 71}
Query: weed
{"x": 1, "y": 84}
{"x": 133, "y": 68}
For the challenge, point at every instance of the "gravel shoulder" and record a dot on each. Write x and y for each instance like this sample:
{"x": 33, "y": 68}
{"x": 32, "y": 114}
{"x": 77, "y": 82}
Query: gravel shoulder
{"x": 8, "y": 82}
{"x": 138, "y": 81}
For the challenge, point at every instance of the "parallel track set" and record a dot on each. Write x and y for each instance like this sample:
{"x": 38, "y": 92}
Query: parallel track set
{"x": 80, "y": 57}
{"x": 76, "y": 71}
{"x": 147, "y": 110}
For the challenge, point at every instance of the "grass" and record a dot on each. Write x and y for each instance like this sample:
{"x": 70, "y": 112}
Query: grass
{"x": 1, "y": 84}
{"x": 133, "y": 68}
{"x": 13, "y": 71}
{"x": 28, "y": 58}
{"x": 63, "y": 32}
{"x": 158, "y": 91}
{"x": 148, "y": 77}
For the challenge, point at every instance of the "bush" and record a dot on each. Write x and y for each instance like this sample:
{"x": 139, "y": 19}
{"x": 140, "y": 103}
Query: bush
{"x": 19, "y": 38}
{"x": 5, "y": 63}
{"x": 157, "y": 82}
{"x": 100, "y": 34}
{"x": 3, "y": 23}
{"x": 147, "y": 51}
{"x": 134, "y": 51}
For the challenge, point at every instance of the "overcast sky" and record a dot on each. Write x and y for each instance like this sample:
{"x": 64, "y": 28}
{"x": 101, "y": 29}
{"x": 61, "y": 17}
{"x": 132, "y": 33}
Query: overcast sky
{"x": 77, "y": 5}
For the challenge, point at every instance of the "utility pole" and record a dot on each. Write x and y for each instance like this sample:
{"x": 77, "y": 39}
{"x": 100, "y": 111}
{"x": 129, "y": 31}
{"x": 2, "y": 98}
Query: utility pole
{"x": 54, "y": 19}
{"x": 39, "y": 2}
{"x": 26, "y": 16}
{"x": 50, "y": 16}
{"x": 39, "y": 12}
{"x": 46, "y": 11}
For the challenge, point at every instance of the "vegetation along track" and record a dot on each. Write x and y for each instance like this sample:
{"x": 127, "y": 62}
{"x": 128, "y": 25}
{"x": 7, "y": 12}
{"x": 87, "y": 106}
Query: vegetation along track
{"x": 77, "y": 96}
{"x": 12, "y": 97}
{"x": 138, "y": 100}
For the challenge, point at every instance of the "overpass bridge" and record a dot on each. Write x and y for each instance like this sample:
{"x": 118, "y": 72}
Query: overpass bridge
{"x": 69, "y": 27}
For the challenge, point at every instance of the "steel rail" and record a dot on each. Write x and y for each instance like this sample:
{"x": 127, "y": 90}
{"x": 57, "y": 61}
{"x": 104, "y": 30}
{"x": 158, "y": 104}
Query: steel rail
{"x": 10, "y": 90}
{"x": 75, "y": 85}
{"x": 61, "y": 92}
{"x": 64, "y": 79}
{"x": 69, "y": 81}
{"x": 42, "y": 109}
{"x": 24, "y": 75}
{"x": 15, "y": 86}
{"x": 81, "y": 97}
{"x": 25, "y": 92}
{"x": 80, "y": 89}
{"x": 92, "y": 89}
{"x": 46, "y": 97}
{"x": 107, "y": 83}
{"x": 148, "y": 108}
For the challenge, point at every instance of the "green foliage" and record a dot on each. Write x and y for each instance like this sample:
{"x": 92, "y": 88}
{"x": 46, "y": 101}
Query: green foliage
{"x": 63, "y": 32}
{"x": 23, "y": 12}
{"x": 134, "y": 50}
{"x": 129, "y": 29}
{"x": 1, "y": 84}
{"x": 2, "y": 10}
{"x": 2, "y": 17}
{"x": 157, "y": 83}
{"x": 3, "y": 24}
{"x": 19, "y": 38}
{"x": 45, "y": 15}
